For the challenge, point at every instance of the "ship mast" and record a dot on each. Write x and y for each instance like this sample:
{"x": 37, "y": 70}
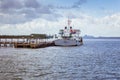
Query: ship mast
{"x": 69, "y": 27}
{"x": 69, "y": 22}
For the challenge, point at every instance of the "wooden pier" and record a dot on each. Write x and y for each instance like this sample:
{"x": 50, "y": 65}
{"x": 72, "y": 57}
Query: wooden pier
{"x": 33, "y": 45}
{"x": 31, "y": 41}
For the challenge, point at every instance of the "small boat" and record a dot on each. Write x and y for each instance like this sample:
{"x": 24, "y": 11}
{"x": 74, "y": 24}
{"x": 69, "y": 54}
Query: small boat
{"x": 69, "y": 36}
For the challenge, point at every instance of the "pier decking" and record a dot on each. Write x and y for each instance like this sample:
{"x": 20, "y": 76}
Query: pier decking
{"x": 33, "y": 45}
{"x": 25, "y": 41}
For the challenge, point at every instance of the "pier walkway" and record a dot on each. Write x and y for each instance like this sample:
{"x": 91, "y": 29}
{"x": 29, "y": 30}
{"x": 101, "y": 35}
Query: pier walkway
{"x": 25, "y": 42}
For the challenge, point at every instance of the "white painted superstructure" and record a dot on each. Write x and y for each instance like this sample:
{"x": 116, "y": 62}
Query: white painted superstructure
{"x": 69, "y": 37}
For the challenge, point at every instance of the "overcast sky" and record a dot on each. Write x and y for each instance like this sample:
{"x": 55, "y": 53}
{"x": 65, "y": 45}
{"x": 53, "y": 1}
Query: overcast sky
{"x": 92, "y": 17}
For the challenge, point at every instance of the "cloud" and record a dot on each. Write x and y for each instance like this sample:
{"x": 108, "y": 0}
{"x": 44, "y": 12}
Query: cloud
{"x": 27, "y": 10}
{"x": 40, "y": 26}
{"x": 33, "y": 16}
{"x": 78, "y": 3}
{"x": 104, "y": 26}
{"x": 32, "y": 4}
{"x": 20, "y": 11}
{"x": 10, "y": 4}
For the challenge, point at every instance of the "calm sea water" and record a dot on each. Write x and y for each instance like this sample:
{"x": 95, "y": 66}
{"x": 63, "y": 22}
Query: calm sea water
{"x": 95, "y": 60}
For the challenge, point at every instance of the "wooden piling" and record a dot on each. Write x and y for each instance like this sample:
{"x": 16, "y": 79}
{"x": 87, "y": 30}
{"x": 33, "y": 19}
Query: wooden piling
{"x": 27, "y": 42}
{"x": 0, "y": 42}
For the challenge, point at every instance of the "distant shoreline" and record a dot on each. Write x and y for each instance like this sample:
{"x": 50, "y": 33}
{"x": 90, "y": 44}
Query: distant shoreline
{"x": 103, "y": 38}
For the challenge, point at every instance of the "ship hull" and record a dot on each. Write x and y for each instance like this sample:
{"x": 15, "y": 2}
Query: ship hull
{"x": 67, "y": 42}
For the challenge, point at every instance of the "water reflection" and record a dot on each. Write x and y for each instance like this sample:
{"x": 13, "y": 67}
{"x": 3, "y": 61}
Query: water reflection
{"x": 92, "y": 61}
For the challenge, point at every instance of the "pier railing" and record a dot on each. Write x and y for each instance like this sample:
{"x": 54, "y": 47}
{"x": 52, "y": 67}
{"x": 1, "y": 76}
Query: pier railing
{"x": 24, "y": 41}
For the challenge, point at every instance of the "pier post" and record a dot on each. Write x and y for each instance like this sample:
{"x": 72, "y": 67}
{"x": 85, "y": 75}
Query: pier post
{"x": 36, "y": 41}
{"x": 5, "y": 45}
{"x": 17, "y": 40}
{"x": 11, "y": 43}
{"x": 0, "y": 42}
{"x": 23, "y": 42}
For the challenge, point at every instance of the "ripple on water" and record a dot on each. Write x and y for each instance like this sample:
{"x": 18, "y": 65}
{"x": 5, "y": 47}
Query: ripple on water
{"x": 95, "y": 60}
